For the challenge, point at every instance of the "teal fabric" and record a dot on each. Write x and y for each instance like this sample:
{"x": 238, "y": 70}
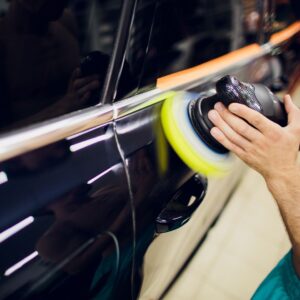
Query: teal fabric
{"x": 281, "y": 284}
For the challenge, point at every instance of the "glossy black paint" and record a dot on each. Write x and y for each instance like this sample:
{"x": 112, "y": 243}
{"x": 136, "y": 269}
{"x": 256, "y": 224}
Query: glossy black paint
{"x": 44, "y": 49}
{"x": 74, "y": 191}
{"x": 155, "y": 170}
{"x": 88, "y": 223}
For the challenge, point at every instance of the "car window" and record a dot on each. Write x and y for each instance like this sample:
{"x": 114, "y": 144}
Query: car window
{"x": 53, "y": 57}
{"x": 285, "y": 14}
{"x": 171, "y": 35}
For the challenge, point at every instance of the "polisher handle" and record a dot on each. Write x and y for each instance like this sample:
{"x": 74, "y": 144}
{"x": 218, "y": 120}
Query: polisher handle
{"x": 256, "y": 96}
{"x": 230, "y": 90}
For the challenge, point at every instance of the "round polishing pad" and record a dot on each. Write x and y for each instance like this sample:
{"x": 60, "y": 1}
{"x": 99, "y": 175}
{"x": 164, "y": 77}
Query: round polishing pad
{"x": 187, "y": 143}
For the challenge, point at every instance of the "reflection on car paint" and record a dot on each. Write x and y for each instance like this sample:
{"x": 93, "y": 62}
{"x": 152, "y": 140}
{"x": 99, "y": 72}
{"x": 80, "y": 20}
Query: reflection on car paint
{"x": 21, "y": 263}
{"x": 15, "y": 228}
{"x": 3, "y": 177}
{"x": 81, "y": 196}
{"x": 82, "y": 204}
{"x": 87, "y": 143}
{"x": 54, "y": 57}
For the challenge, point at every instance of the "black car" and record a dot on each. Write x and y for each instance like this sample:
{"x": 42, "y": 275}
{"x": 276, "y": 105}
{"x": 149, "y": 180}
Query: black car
{"x": 87, "y": 177}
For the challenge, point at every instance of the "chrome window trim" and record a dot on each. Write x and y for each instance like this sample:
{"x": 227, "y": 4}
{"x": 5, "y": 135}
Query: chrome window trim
{"x": 134, "y": 103}
{"x": 20, "y": 141}
{"x": 38, "y": 135}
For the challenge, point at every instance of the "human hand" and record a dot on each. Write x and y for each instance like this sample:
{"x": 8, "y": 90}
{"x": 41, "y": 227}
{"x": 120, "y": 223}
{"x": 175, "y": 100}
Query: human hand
{"x": 262, "y": 144}
{"x": 81, "y": 88}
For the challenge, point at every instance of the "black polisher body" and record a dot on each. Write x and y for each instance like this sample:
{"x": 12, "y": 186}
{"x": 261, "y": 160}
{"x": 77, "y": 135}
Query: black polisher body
{"x": 230, "y": 90}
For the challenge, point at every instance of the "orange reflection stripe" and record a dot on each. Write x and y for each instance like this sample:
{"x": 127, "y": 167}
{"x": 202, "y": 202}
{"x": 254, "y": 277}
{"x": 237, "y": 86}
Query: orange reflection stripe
{"x": 209, "y": 67}
{"x": 224, "y": 61}
{"x": 285, "y": 34}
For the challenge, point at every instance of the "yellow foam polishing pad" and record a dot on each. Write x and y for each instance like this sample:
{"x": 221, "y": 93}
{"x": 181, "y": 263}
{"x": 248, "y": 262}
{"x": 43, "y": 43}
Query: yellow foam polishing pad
{"x": 186, "y": 142}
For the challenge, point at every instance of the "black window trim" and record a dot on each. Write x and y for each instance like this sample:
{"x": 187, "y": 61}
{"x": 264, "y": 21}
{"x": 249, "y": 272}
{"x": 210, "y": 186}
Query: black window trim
{"x": 118, "y": 54}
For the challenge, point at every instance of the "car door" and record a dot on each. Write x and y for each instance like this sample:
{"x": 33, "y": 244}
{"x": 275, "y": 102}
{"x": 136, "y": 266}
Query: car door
{"x": 191, "y": 44}
{"x": 84, "y": 187}
{"x": 66, "y": 224}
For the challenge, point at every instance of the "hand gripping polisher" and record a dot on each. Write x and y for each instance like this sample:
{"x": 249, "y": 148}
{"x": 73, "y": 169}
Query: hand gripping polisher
{"x": 187, "y": 127}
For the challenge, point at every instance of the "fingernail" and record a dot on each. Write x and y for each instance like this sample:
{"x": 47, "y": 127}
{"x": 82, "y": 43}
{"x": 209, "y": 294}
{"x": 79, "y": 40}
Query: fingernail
{"x": 212, "y": 114}
{"x": 219, "y": 106}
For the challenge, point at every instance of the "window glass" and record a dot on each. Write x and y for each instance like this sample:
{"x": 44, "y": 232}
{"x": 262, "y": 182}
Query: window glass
{"x": 53, "y": 57}
{"x": 171, "y": 35}
{"x": 285, "y": 14}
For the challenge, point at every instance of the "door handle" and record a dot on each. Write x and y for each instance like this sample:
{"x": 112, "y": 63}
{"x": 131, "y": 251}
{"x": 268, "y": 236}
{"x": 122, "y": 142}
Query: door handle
{"x": 182, "y": 204}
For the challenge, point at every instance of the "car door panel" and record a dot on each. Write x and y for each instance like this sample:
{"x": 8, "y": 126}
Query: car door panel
{"x": 80, "y": 201}
{"x": 156, "y": 173}
{"x": 70, "y": 202}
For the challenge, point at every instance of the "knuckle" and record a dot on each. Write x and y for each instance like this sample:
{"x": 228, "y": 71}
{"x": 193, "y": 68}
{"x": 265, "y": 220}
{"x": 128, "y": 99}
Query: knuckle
{"x": 221, "y": 139}
{"x": 226, "y": 143}
{"x": 236, "y": 139}
{"x": 256, "y": 121}
{"x": 226, "y": 113}
{"x": 260, "y": 144}
{"x": 249, "y": 148}
{"x": 230, "y": 146}
{"x": 243, "y": 129}
{"x": 276, "y": 132}
{"x": 274, "y": 135}
{"x": 238, "y": 151}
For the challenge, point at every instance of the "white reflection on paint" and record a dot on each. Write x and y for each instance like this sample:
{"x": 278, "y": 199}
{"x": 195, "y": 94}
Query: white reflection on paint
{"x": 3, "y": 177}
{"x": 21, "y": 263}
{"x": 14, "y": 229}
{"x": 82, "y": 133}
{"x": 100, "y": 175}
{"x": 89, "y": 142}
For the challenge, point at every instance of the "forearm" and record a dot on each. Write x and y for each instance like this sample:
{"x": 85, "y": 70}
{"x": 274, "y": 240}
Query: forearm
{"x": 285, "y": 189}
{"x": 269, "y": 149}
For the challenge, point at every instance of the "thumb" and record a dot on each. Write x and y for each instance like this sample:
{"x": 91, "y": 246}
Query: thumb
{"x": 290, "y": 108}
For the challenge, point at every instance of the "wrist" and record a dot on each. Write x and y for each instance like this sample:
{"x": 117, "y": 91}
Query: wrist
{"x": 282, "y": 180}
{"x": 284, "y": 175}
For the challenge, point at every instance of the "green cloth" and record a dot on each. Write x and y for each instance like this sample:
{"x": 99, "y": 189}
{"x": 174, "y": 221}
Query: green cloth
{"x": 281, "y": 284}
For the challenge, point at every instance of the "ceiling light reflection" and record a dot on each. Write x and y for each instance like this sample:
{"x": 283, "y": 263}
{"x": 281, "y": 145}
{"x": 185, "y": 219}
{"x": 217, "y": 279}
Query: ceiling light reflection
{"x": 3, "y": 177}
{"x": 100, "y": 175}
{"x": 88, "y": 142}
{"x": 21, "y": 263}
{"x": 14, "y": 229}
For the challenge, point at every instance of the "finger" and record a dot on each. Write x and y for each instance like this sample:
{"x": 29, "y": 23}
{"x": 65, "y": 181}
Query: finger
{"x": 85, "y": 97}
{"x": 237, "y": 124}
{"x": 92, "y": 86}
{"x": 223, "y": 140}
{"x": 84, "y": 81}
{"x": 256, "y": 119}
{"x": 290, "y": 108}
{"x": 231, "y": 135}
{"x": 293, "y": 115}
{"x": 75, "y": 74}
